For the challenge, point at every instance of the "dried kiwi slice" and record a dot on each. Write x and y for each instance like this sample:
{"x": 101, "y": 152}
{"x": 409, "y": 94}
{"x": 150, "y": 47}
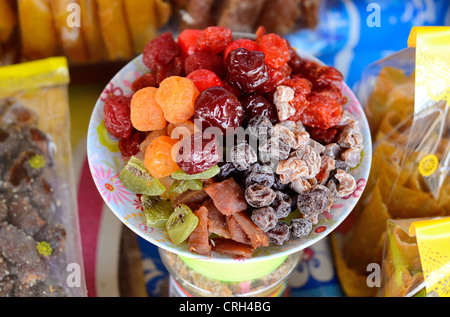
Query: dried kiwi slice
{"x": 181, "y": 223}
{"x": 213, "y": 171}
{"x": 181, "y": 186}
{"x": 138, "y": 179}
{"x": 156, "y": 210}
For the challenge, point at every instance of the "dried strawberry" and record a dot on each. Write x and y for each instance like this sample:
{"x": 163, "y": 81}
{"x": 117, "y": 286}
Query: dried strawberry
{"x": 146, "y": 80}
{"x": 130, "y": 146}
{"x": 204, "y": 60}
{"x": 204, "y": 79}
{"x": 160, "y": 51}
{"x": 214, "y": 39}
{"x": 187, "y": 41}
{"x": 324, "y": 112}
{"x": 275, "y": 49}
{"x": 246, "y": 43}
{"x": 117, "y": 116}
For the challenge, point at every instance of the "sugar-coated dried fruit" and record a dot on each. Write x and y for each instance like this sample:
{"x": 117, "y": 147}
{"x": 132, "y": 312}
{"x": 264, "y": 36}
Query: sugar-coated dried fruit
{"x": 214, "y": 39}
{"x": 209, "y": 173}
{"x": 350, "y": 137}
{"x": 275, "y": 49}
{"x": 291, "y": 169}
{"x": 265, "y": 218}
{"x": 219, "y": 108}
{"x": 300, "y": 185}
{"x": 176, "y": 96}
{"x": 347, "y": 183}
{"x": 198, "y": 153}
{"x": 246, "y": 70}
{"x": 258, "y": 195}
{"x": 117, "y": 116}
{"x": 158, "y": 157}
{"x": 160, "y": 51}
{"x": 187, "y": 40}
{"x": 279, "y": 234}
{"x": 137, "y": 179}
{"x": 312, "y": 159}
{"x": 352, "y": 157}
{"x": 156, "y": 211}
{"x": 204, "y": 79}
{"x": 282, "y": 100}
{"x": 301, "y": 227}
{"x": 314, "y": 201}
{"x": 181, "y": 223}
{"x": 273, "y": 149}
{"x": 243, "y": 156}
{"x": 260, "y": 127}
{"x": 282, "y": 204}
{"x": 145, "y": 112}
{"x": 260, "y": 174}
{"x": 204, "y": 60}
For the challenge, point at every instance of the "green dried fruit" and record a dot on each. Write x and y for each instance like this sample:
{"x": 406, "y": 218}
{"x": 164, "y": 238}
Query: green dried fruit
{"x": 181, "y": 223}
{"x": 156, "y": 210}
{"x": 136, "y": 178}
{"x": 180, "y": 175}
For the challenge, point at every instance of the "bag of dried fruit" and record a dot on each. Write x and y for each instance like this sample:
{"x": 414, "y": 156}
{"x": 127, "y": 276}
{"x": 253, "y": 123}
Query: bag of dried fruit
{"x": 405, "y": 97}
{"x": 40, "y": 248}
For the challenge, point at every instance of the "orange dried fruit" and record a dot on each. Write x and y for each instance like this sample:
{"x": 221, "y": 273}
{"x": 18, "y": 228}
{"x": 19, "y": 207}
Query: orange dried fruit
{"x": 158, "y": 158}
{"x": 146, "y": 114}
{"x": 182, "y": 130}
{"x": 176, "y": 96}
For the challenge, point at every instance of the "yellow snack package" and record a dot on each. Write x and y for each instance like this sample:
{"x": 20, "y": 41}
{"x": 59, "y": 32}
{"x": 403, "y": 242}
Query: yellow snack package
{"x": 405, "y": 97}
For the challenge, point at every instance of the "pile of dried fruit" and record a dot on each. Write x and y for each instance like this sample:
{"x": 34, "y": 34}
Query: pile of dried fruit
{"x": 266, "y": 187}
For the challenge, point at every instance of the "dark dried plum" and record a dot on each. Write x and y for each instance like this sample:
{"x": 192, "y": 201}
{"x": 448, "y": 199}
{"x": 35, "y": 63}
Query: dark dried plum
{"x": 279, "y": 234}
{"x": 265, "y": 218}
{"x": 217, "y": 107}
{"x": 246, "y": 70}
{"x": 199, "y": 153}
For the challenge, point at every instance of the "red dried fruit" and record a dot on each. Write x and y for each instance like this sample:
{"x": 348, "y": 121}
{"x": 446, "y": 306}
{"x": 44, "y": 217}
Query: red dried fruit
{"x": 217, "y": 107}
{"x": 214, "y": 39}
{"x": 146, "y": 80}
{"x": 323, "y": 136}
{"x": 129, "y": 147}
{"x": 204, "y": 79}
{"x": 174, "y": 68}
{"x": 256, "y": 105}
{"x": 245, "y": 43}
{"x": 160, "y": 51}
{"x": 204, "y": 60}
{"x": 187, "y": 41}
{"x": 198, "y": 153}
{"x": 246, "y": 70}
{"x": 275, "y": 49}
{"x": 324, "y": 112}
{"x": 227, "y": 196}
{"x": 117, "y": 116}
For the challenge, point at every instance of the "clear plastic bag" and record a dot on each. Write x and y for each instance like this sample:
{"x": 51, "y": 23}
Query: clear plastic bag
{"x": 409, "y": 172}
{"x": 40, "y": 246}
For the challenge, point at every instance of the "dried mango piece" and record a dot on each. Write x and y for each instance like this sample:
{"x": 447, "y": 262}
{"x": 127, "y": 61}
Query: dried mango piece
{"x": 114, "y": 29}
{"x": 142, "y": 21}
{"x": 38, "y": 34}
{"x": 8, "y": 21}
{"x": 91, "y": 30}
{"x": 71, "y": 38}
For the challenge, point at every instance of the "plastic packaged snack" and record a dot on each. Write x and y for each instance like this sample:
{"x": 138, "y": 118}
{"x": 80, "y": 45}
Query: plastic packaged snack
{"x": 406, "y": 101}
{"x": 40, "y": 247}
{"x": 85, "y": 31}
{"x": 415, "y": 259}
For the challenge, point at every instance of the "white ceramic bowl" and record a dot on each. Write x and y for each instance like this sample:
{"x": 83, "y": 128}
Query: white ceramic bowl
{"x": 105, "y": 162}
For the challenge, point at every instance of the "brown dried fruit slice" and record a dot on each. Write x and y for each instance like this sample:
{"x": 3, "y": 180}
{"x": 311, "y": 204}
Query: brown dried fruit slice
{"x": 198, "y": 240}
{"x": 217, "y": 222}
{"x": 257, "y": 237}
{"x": 231, "y": 247}
{"x": 236, "y": 232}
{"x": 228, "y": 196}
